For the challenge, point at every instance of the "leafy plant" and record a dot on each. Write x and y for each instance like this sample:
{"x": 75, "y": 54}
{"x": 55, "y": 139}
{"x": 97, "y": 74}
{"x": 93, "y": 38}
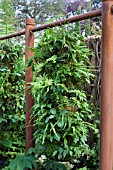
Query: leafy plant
{"x": 22, "y": 162}
{"x": 12, "y": 99}
{"x": 61, "y": 110}
{"x": 54, "y": 165}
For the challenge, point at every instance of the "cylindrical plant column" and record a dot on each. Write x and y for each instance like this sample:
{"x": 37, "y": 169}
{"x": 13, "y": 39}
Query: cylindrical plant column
{"x": 106, "y": 134}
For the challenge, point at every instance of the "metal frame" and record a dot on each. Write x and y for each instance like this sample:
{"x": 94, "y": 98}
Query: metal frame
{"x": 106, "y": 129}
{"x": 106, "y": 121}
{"x": 29, "y": 39}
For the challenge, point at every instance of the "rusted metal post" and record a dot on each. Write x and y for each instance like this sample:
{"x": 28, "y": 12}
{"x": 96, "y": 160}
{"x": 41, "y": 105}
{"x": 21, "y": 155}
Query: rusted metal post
{"x": 29, "y": 76}
{"x": 106, "y": 129}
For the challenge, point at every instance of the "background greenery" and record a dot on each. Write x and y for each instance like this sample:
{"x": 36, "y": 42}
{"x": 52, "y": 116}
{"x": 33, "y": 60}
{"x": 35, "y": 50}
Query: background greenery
{"x": 13, "y": 13}
{"x": 12, "y": 100}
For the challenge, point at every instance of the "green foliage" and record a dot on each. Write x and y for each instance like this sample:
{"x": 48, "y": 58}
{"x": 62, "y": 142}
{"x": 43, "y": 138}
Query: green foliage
{"x": 53, "y": 165}
{"x": 25, "y": 162}
{"x": 22, "y": 162}
{"x": 83, "y": 168}
{"x": 62, "y": 113}
{"x": 12, "y": 99}
{"x": 88, "y": 27}
{"x": 41, "y": 11}
{"x": 7, "y": 16}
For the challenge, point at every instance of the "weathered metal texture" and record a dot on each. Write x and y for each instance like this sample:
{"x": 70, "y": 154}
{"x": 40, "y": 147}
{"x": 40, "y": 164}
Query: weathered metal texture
{"x": 76, "y": 18}
{"x": 13, "y": 35}
{"x": 106, "y": 129}
{"x": 29, "y": 76}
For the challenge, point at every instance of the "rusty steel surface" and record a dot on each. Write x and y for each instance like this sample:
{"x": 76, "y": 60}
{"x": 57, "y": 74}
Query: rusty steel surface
{"x": 29, "y": 38}
{"x": 76, "y": 18}
{"x": 106, "y": 120}
{"x": 13, "y": 35}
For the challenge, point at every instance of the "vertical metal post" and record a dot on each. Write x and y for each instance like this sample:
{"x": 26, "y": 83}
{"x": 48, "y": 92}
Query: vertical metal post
{"x": 106, "y": 129}
{"x": 29, "y": 76}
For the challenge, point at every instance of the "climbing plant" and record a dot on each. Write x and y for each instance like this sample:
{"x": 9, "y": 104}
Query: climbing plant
{"x": 62, "y": 112}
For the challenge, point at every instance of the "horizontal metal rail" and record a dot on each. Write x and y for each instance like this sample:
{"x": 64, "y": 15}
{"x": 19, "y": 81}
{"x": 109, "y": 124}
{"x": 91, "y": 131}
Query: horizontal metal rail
{"x": 13, "y": 35}
{"x": 76, "y": 18}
